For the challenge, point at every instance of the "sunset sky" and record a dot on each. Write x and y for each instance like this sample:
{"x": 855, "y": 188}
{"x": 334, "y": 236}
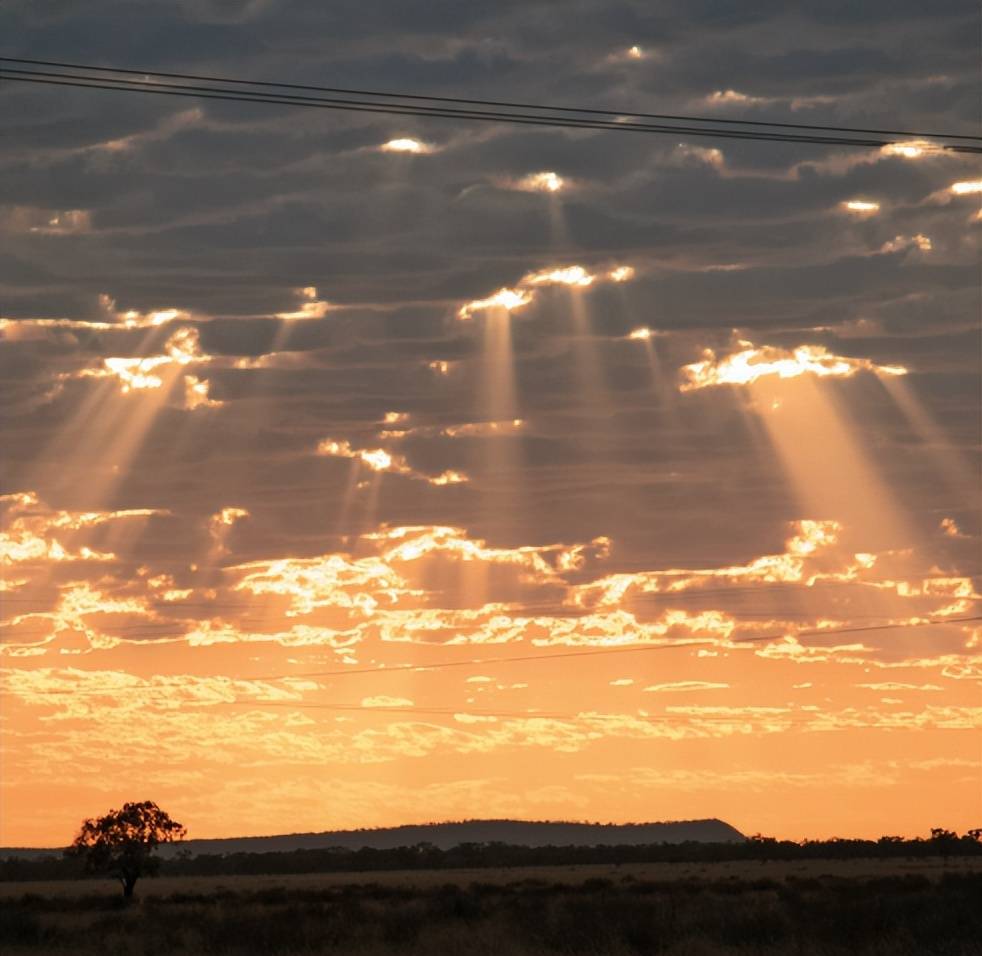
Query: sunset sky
{"x": 607, "y": 430}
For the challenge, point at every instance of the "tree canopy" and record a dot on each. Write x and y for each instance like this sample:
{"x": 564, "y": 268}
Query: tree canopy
{"x": 121, "y": 843}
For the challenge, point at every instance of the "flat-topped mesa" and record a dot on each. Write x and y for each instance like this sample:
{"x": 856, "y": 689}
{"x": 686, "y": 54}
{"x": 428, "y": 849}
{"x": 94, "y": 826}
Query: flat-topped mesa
{"x": 447, "y": 835}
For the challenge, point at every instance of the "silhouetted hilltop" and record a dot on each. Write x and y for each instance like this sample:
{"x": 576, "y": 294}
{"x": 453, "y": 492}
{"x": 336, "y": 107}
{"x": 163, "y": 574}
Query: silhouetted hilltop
{"x": 444, "y": 836}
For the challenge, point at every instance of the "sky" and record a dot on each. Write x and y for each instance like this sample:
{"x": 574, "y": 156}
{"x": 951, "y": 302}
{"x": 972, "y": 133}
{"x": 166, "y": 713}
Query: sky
{"x": 661, "y": 455}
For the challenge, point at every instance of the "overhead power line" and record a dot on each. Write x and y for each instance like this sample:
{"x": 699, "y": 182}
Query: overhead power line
{"x": 411, "y": 104}
{"x": 605, "y": 651}
{"x": 475, "y": 102}
{"x": 762, "y": 713}
{"x": 530, "y": 658}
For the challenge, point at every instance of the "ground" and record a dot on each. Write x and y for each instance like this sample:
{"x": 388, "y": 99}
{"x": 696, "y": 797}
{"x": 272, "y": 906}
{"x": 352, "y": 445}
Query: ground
{"x": 815, "y": 908}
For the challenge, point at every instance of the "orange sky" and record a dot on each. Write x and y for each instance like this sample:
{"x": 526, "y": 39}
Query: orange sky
{"x": 249, "y": 696}
{"x": 361, "y": 470}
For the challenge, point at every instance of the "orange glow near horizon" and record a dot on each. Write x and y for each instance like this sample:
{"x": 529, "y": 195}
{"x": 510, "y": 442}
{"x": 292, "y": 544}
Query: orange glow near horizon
{"x": 260, "y": 689}
{"x": 848, "y": 656}
{"x": 452, "y": 517}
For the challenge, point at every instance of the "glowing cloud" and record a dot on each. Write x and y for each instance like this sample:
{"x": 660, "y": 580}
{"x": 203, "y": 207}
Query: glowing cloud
{"x": 966, "y": 188}
{"x": 226, "y": 518}
{"x": 641, "y": 335}
{"x": 709, "y": 155}
{"x": 861, "y": 207}
{"x": 382, "y": 700}
{"x": 196, "y": 394}
{"x": 448, "y": 477}
{"x": 46, "y": 222}
{"x": 380, "y": 460}
{"x": 376, "y": 458}
{"x": 543, "y": 182}
{"x": 310, "y": 308}
{"x": 483, "y": 429}
{"x": 621, "y": 274}
{"x": 752, "y": 363}
{"x": 685, "y": 685}
{"x": 182, "y": 348}
{"x": 909, "y": 150}
{"x": 221, "y": 523}
{"x": 950, "y": 528}
{"x": 33, "y": 533}
{"x": 731, "y": 97}
{"x": 507, "y": 299}
{"x": 133, "y": 319}
{"x": 406, "y": 144}
{"x": 900, "y": 243}
{"x": 574, "y": 276}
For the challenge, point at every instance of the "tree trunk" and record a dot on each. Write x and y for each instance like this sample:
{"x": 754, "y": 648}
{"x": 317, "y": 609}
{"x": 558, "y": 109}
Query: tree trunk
{"x": 129, "y": 881}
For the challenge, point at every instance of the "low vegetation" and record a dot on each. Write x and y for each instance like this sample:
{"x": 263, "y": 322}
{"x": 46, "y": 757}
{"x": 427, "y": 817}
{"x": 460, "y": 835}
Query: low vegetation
{"x": 942, "y": 845}
{"x": 899, "y": 915}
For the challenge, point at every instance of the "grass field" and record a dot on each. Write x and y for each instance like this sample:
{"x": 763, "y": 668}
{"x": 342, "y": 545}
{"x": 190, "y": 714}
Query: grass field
{"x": 818, "y": 908}
{"x": 930, "y": 867}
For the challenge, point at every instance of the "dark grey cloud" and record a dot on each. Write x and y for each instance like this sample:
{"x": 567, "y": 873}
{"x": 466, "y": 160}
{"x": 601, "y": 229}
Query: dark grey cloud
{"x": 227, "y": 210}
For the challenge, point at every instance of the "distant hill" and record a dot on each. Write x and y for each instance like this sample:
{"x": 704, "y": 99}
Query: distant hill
{"x": 445, "y": 836}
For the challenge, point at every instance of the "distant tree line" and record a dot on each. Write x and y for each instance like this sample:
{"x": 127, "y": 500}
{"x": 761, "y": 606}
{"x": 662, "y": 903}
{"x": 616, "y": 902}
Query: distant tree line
{"x": 424, "y": 856}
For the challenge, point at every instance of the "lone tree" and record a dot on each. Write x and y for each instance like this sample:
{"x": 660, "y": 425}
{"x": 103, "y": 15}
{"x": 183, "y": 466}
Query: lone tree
{"x": 121, "y": 843}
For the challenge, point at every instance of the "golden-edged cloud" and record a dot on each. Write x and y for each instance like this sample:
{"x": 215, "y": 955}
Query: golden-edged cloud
{"x": 861, "y": 207}
{"x": 545, "y": 181}
{"x": 573, "y": 277}
{"x": 380, "y": 460}
{"x": 407, "y": 144}
{"x": 752, "y": 363}
{"x": 149, "y": 373}
{"x": 46, "y": 222}
{"x": 311, "y": 307}
{"x": 36, "y": 534}
{"x": 507, "y": 299}
{"x": 900, "y": 243}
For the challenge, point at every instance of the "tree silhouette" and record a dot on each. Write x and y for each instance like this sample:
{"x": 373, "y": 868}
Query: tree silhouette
{"x": 121, "y": 843}
{"x": 944, "y": 841}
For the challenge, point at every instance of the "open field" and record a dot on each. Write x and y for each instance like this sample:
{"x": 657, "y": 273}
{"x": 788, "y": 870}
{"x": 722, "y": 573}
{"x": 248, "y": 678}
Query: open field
{"x": 931, "y": 867}
{"x": 819, "y": 908}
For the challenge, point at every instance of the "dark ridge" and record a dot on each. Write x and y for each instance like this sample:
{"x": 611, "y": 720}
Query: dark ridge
{"x": 446, "y": 836}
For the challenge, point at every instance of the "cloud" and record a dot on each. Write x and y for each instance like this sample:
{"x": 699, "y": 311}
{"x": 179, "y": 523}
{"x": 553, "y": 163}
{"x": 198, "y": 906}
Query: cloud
{"x": 684, "y": 686}
{"x": 35, "y": 534}
{"x": 571, "y": 276}
{"x": 507, "y": 299}
{"x": 312, "y": 279}
{"x": 542, "y": 182}
{"x": 380, "y": 460}
{"x": 752, "y": 363}
{"x": 407, "y": 144}
{"x": 381, "y": 700}
{"x": 311, "y": 307}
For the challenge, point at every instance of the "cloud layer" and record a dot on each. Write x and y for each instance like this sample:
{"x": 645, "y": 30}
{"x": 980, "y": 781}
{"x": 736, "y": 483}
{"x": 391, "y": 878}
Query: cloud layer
{"x": 293, "y": 401}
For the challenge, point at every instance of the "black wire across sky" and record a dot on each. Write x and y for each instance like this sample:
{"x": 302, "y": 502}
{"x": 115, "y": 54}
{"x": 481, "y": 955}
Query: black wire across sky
{"x": 276, "y": 93}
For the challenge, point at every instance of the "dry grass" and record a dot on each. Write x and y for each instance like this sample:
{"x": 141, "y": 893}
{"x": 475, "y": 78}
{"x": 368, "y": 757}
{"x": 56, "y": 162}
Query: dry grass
{"x": 862, "y": 908}
{"x": 164, "y": 886}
